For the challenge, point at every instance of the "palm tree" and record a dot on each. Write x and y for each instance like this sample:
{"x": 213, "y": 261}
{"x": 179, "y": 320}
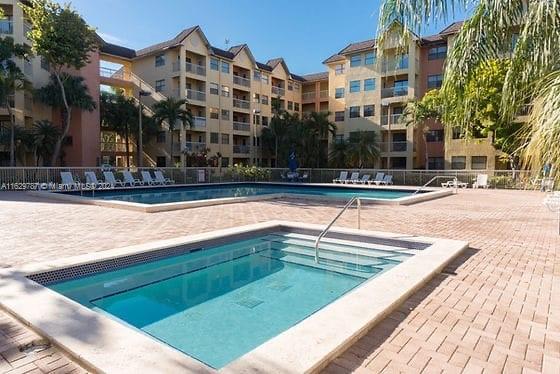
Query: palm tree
{"x": 173, "y": 112}
{"x": 43, "y": 137}
{"x": 21, "y": 139}
{"x": 533, "y": 76}
{"x": 363, "y": 150}
{"x": 338, "y": 157}
{"x": 77, "y": 96}
{"x": 321, "y": 128}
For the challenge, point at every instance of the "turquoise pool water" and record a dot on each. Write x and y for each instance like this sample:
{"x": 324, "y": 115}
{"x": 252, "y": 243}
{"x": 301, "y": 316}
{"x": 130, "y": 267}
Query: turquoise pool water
{"x": 206, "y": 192}
{"x": 219, "y": 303}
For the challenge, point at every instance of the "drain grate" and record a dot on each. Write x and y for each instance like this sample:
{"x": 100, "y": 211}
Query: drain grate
{"x": 249, "y": 302}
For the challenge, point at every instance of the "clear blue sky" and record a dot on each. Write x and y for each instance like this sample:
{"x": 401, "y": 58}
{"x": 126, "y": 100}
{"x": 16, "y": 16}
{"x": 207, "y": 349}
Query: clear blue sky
{"x": 308, "y": 30}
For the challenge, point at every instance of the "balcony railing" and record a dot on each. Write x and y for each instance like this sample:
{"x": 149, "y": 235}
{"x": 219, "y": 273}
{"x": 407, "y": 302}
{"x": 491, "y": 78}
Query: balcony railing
{"x": 26, "y": 28}
{"x": 242, "y": 149}
{"x": 278, "y": 91}
{"x": 241, "y": 81}
{"x": 116, "y": 147}
{"x": 195, "y": 69}
{"x": 308, "y": 96}
{"x": 6, "y": 27}
{"x": 393, "y": 147}
{"x": 324, "y": 94}
{"x": 395, "y": 64}
{"x": 394, "y": 92}
{"x": 243, "y": 104}
{"x": 195, "y": 95}
{"x": 241, "y": 126}
{"x": 199, "y": 123}
{"x": 392, "y": 119}
{"x": 195, "y": 147}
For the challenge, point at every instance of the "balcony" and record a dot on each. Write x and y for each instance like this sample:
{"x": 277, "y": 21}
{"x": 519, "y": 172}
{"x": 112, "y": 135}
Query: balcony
{"x": 241, "y": 81}
{"x": 392, "y": 119}
{"x": 6, "y": 27}
{"x": 195, "y": 147}
{"x": 393, "y": 147}
{"x": 243, "y": 104}
{"x": 278, "y": 91}
{"x": 308, "y": 96}
{"x": 394, "y": 92}
{"x": 324, "y": 94}
{"x": 114, "y": 147}
{"x": 242, "y": 149}
{"x": 241, "y": 126}
{"x": 195, "y": 69}
{"x": 195, "y": 95}
{"x": 199, "y": 123}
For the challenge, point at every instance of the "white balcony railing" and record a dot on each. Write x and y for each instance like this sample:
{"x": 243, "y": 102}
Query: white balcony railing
{"x": 324, "y": 94}
{"x": 308, "y": 96}
{"x": 243, "y": 104}
{"x": 278, "y": 91}
{"x": 195, "y": 69}
{"x": 394, "y": 92}
{"x": 195, "y": 147}
{"x": 242, "y": 149}
{"x": 391, "y": 119}
{"x": 6, "y": 27}
{"x": 199, "y": 123}
{"x": 241, "y": 81}
{"x": 195, "y": 95}
{"x": 241, "y": 126}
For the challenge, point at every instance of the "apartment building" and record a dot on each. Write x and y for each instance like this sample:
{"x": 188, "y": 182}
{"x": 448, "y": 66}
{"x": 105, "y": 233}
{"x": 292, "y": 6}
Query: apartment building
{"x": 229, "y": 93}
{"x": 82, "y": 145}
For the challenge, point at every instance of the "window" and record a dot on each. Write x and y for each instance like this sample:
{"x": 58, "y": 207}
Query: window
{"x": 225, "y": 114}
{"x": 339, "y": 138}
{"x": 257, "y": 75}
{"x": 256, "y": 98}
{"x": 214, "y": 137}
{"x": 225, "y": 91}
{"x": 339, "y": 116}
{"x": 369, "y": 84}
{"x": 478, "y": 162}
{"x": 437, "y": 53}
{"x": 45, "y": 64}
{"x": 161, "y": 136}
{"x": 225, "y": 67}
{"x": 434, "y": 136}
{"x": 436, "y": 163}
{"x": 225, "y": 162}
{"x": 369, "y": 110}
{"x": 160, "y": 60}
{"x": 296, "y": 86}
{"x": 264, "y": 99}
{"x": 339, "y": 93}
{"x": 434, "y": 81}
{"x": 354, "y": 111}
{"x": 355, "y": 60}
{"x": 214, "y": 113}
{"x": 265, "y": 79}
{"x": 256, "y": 119}
{"x": 225, "y": 138}
{"x": 290, "y": 105}
{"x": 339, "y": 69}
{"x": 214, "y": 64}
{"x": 296, "y": 107}
{"x": 290, "y": 86}
{"x": 371, "y": 58}
{"x": 354, "y": 86}
{"x": 265, "y": 121}
{"x": 160, "y": 85}
{"x": 214, "y": 88}
{"x": 161, "y": 161}
{"x": 458, "y": 162}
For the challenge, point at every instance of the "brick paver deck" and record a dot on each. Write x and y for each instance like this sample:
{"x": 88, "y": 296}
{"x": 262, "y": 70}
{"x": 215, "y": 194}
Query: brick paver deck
{"x": 496, "y": 309}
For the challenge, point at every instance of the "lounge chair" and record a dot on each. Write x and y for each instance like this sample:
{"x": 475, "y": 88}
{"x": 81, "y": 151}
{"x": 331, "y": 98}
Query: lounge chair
{"x": 481, "y": 181}
{"x": 68, "y": 180}
{"x": 91, "y": 178}
{"x": 387, "y": 180}
{"x": 342, "y": 177}
{"x": 353, "y": 178}
{"x": 147, "y": 178}
{"x": 304, "y": 177}
{"x": 130, "y": 180}
{"x": 111, "y": 180}
{"x": 364, "y": 180}
{"x": 162, "y": 179}
{"x": 378, "y": 179}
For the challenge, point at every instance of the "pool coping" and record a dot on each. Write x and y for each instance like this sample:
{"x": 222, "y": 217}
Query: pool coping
{"x": 306, "y": 347}
{"x": 432, "y": 193}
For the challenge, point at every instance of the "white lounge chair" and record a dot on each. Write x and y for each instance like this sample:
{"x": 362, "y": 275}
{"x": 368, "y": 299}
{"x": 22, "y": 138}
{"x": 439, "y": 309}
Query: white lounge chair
{"x": 161, "y": 178}
{"x": 68, "y": 180}
{"x": 353, "y": 178}
{"x": 387, "y": 180}
{"x": 304, "y": 177}
{"x": 481, "y": 181}
{"x": 130, "y": 180}
{"x": 364, "y": 180}
{"x": 111, "y": 180}
{"x": 147, "y": 178}
{"x": 341, "y": 178}
{"x": 91, "y": 178}
{"x": 378, "y": 179}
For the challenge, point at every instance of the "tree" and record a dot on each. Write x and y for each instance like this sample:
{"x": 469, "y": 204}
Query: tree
{"x": 526, "y": 30}
{"x": 119, "y": 114}
{"x": 338, "y": 157}
{"x": 44, "y": 136}
{"x": 418, "y": 113}
{"x": 12, "y": 80}
{"x": 363, "y": 149}
{"x": 173, "y": 112}
{"x": 62, "y": 37}
{"x": 320, "y": 128}
{"x": 21, "y": 139}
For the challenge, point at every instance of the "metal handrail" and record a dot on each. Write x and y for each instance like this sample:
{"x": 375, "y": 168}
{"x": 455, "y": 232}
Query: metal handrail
{"x": 326, "y": 230}
{"x": 437, "y": 177}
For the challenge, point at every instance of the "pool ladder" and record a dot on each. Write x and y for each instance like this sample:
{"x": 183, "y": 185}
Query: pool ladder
{"x": 353, "y": 200}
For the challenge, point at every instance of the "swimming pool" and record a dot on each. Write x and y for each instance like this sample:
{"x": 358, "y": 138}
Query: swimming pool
{"x": 216, "y": 304}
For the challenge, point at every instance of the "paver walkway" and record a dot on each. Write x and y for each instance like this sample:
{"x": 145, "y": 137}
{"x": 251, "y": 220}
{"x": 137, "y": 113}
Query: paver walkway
{"x": 496, "y": 309}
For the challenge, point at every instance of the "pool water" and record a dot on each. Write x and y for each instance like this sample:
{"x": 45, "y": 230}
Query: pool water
{"x": 219, "y": 303}
{"x": 158, "y": 195}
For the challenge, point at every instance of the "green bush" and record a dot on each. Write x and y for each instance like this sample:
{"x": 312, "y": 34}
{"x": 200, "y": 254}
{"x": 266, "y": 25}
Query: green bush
{"x": 252, "y": 173}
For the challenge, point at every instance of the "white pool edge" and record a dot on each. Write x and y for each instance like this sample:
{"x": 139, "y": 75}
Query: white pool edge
{"x": 306, "y": 347}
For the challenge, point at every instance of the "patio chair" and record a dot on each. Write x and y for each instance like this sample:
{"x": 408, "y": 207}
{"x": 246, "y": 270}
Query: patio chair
{"x": 364, "y": 180}
{"x": 129, "y": 179}
{"x": 91, "y": 178}
{"x": 304, "y": 177}
{"x": 68, "y": 180}
{"x": 353, "y": 178}
{"x": 481, "y": 181}
{"x": 387, "y": 180}
{"x": 147, "y": 178}
{"x": 342, "y": 177}
{"x": 111, "y": 180}
{"x": 378, "y": 179}
{"x": 162, "y": 179}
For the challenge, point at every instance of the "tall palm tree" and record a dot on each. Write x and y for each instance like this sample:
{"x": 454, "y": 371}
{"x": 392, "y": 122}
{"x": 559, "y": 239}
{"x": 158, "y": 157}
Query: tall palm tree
{"x": 533, "y": 76}
{"x": 338, "y": 157}
{"x": 21, "y": 138}
{"x": 321, "y": 128}
{"x": 119, "y": 114}
{"x": 43, "y": 137}
{"x": 172, "y": 111}
{"x": 363, "y": 149}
